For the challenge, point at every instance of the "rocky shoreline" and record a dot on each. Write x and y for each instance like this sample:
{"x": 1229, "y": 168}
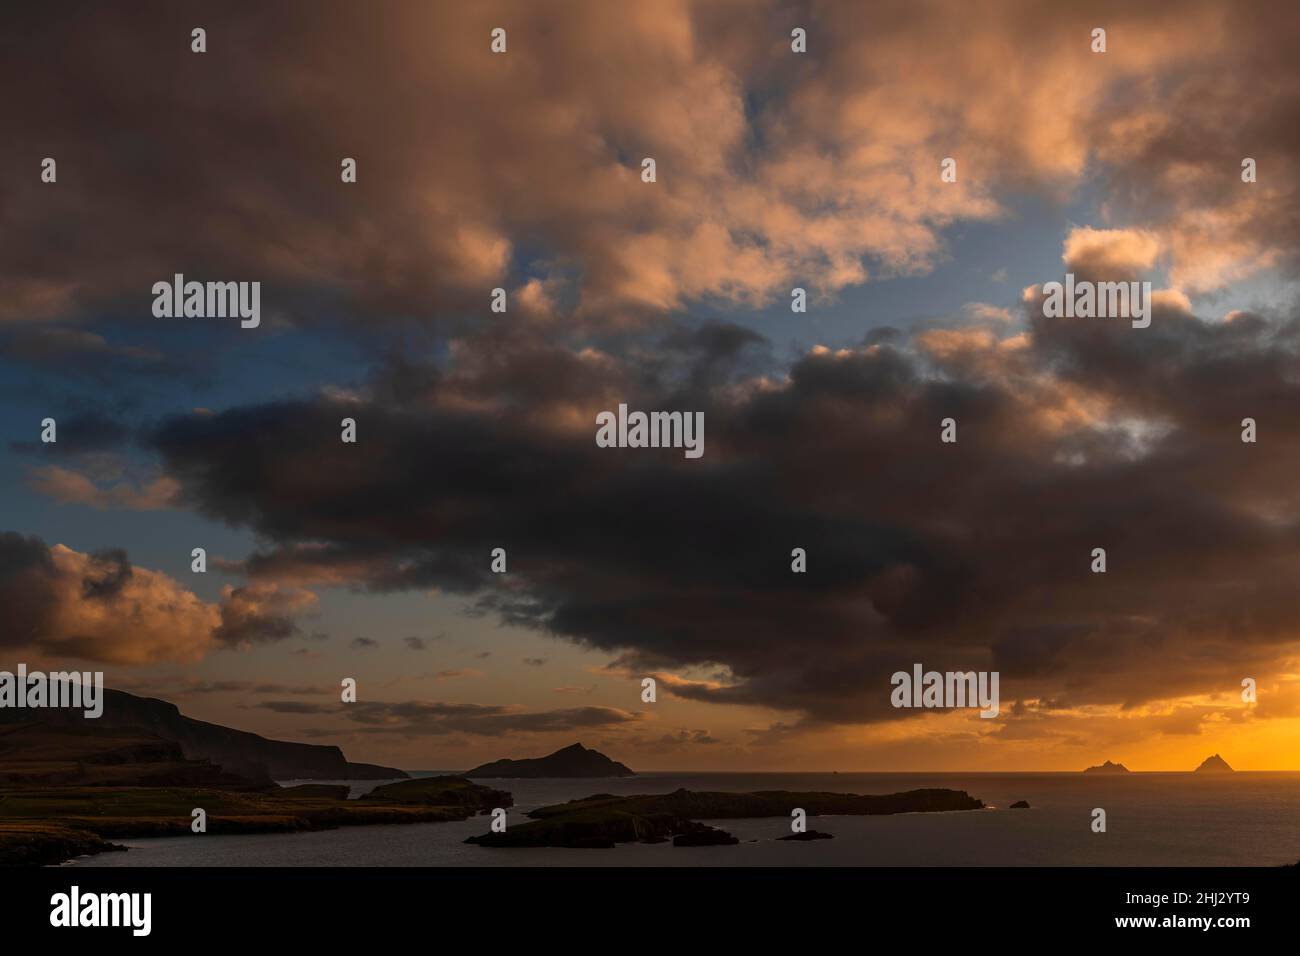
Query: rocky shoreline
{"x": 603, "y": 821}
{"x": 40, "y": 827}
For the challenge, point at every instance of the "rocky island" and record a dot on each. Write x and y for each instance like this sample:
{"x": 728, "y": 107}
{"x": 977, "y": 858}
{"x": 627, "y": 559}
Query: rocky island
{"x": 705, "y": 836}
{"x": 1214, "y": 764}
{"x": 603, "y": 820}
{"x": 574, "y": 761}
{"x": 807, "y": 835}
{"x": 1108, "y": 767}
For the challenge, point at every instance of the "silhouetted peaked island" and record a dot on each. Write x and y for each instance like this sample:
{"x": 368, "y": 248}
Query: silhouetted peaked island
{"x": 808, "y": 835}
{"x": 604, "y": 820}
{"x": 1214, "y": 764}
{"x": 1108, "y": 767}
{"x": 573, "y": 761}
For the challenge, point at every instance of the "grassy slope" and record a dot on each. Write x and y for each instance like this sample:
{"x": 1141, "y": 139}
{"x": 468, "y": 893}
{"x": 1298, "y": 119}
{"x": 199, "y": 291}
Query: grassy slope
{"x": 32, "y": 815}
{"x": 36, "y": 755}
{"x": 43, "y": 843}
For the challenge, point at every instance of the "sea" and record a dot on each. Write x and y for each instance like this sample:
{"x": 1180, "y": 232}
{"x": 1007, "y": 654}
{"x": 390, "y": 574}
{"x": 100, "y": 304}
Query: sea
{"x": 1152, "y": 819}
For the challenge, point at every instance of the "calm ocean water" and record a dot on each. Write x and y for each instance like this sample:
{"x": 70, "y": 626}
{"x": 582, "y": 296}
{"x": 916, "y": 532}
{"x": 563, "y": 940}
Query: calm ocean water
{"x": 1153, "y": 819}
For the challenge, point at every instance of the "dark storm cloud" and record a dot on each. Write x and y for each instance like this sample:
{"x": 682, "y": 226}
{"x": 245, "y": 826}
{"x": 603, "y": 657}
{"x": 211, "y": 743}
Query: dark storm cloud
{"x": 170, "y": 687}
{"x": 966, "y": 556}
{"x": 245, "y": 687}
{"x": 297, "y": 707}
{"x": 418, "y": 718}
{"x": 959, "y": 556}
{"x": 421, "y": 719}
{"x": 96, "y": 606}
{"x": 64, "y": 367}
{"x": 78, "y": 434}
{"x": 109, "y": 572}
{"x": 27, "y": 591}
{"x": 80, "y": 351}
{"x": 257, "y": 613}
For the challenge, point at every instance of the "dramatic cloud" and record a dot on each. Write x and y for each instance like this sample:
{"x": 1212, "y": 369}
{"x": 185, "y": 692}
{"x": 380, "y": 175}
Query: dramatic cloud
{"x": 97, "y": 607}
{"x": 260, "y": 612}
{"x": 71, "y": 487}
{"x": 774, "y": 170}
{"x": 100, "y": 607}
{"x": 1087, "y": 433}
{"x": 523, "y": 170}
{"x": 182, "y": 686}
{"x": 420, "y": 718}
{"x": 1110, "y": 251}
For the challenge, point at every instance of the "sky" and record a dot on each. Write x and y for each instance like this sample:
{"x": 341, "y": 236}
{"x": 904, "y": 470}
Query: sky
{"x": 522, "y": 170}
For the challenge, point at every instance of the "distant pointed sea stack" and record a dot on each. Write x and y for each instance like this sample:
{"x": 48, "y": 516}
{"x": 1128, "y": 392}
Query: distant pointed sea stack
{"x": 1108, "y": 767}
{"x": 1214, "y": 764}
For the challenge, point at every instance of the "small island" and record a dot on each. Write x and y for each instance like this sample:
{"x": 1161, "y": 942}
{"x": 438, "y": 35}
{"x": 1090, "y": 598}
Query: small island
{"x": 705, "y": 836}
{"x": 1108, "y": 767}
{"x": 808, "y": 835}
{"x": 572, "y": 762}
{"x": 603, "y": 820}
{"x": 1214, "y": 764}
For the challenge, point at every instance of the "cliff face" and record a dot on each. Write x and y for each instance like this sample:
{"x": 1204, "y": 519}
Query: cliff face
{"x": 46, "y": 755}
{"x": 237, "y": 751}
